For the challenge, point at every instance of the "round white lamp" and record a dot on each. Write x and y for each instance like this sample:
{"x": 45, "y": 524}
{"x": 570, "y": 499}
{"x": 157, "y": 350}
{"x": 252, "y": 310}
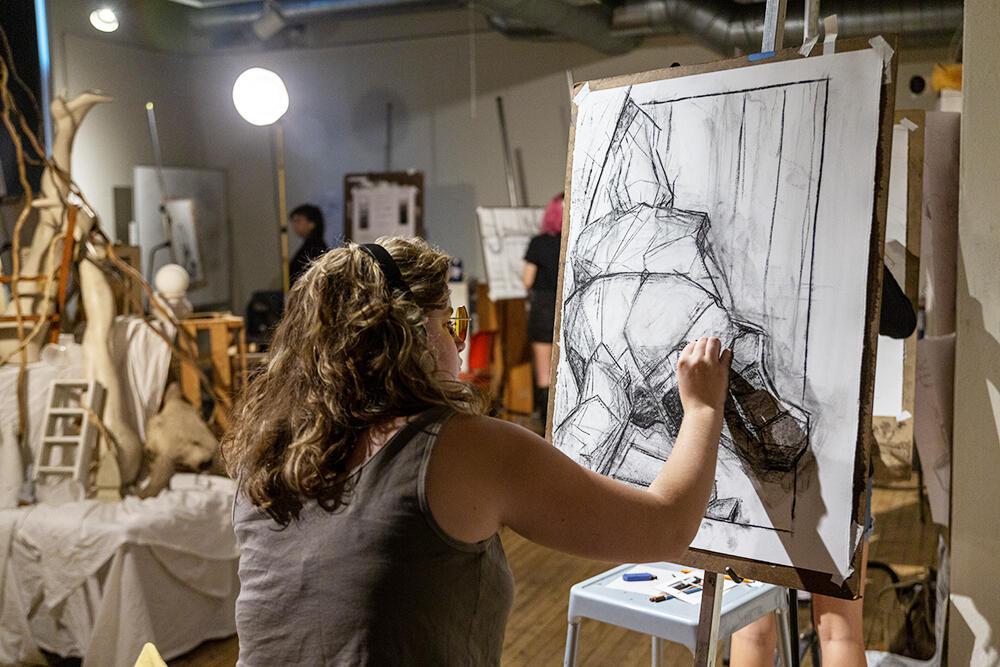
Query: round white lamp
{"x": 260, "y": 96}
{"x": 261, "y": 99}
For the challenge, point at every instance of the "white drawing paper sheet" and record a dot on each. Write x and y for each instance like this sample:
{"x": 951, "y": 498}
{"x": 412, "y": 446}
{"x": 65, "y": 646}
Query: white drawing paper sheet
{"x": 505, "y": 234}
{"x": 889, "y": 361}
{"x": 934, "y": 417}
{"x": 664, "y": 578}
{"x": 383, "y": 209}
{"x": 184, "y": 228}
{"x": 735, "y": 203}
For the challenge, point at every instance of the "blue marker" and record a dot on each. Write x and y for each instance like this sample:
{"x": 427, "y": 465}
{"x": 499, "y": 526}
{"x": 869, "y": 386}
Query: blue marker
{"x": 638, "y": 576}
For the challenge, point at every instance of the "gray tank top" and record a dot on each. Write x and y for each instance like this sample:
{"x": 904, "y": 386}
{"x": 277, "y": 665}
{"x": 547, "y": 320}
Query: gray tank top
{"x": 376, "y": 583}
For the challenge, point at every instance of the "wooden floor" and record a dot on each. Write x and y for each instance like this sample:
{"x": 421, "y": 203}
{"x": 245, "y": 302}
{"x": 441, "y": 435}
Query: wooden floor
{"x": 536, "y": 632}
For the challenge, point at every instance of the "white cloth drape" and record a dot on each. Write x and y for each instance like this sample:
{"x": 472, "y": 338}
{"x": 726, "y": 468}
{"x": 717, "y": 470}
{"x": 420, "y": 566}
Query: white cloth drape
{"x": 98, "y": 580}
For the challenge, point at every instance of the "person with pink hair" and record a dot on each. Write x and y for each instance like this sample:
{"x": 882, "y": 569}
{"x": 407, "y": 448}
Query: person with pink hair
{"x": 541, "y": 275}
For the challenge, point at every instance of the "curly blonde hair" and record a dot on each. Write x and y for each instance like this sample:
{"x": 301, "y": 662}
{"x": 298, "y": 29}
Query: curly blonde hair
{"x": 349, "y": 354}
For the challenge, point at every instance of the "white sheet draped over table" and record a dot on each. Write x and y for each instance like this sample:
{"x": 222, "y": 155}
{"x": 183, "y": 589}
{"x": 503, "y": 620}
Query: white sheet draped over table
{"x": 141, "y": 357}
{"x": 98, "y": 580}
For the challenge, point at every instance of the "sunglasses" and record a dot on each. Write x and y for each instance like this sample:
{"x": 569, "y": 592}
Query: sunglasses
{"x": 458, "y": 324}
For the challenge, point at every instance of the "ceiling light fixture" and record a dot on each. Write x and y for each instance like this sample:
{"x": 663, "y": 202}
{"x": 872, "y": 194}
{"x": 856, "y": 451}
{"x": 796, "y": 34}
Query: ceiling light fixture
{"x": 269, "y": 23}
{"x": 104, "y": 19}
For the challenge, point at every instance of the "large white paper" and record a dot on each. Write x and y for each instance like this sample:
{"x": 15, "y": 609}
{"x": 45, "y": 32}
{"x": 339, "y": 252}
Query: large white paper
{"x": 933, "y": 419}
{"x": 183, "y": 228}
{"x": 739, "y": 204}
{"x": 663, "y": 579}
{"x": 890, "y": 362}
{"x": 505, "y": 234}
{"x": 383, "y": 209}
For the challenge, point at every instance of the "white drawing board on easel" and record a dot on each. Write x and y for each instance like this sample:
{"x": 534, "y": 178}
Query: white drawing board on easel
{"x": 736, "y": 201}
{"x": 196, "y": 200}
{"x": 504, "y": 234}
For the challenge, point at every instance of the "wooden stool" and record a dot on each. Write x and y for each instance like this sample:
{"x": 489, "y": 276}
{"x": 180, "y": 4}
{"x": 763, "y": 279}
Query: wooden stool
{"x": 223, "y": 330}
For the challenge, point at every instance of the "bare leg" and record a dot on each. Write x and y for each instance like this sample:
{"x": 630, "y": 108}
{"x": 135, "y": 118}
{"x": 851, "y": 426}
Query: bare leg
{"x": 840, "y": 628}
{"x": 543, "y": 359}
{"x": 753, "y": 646}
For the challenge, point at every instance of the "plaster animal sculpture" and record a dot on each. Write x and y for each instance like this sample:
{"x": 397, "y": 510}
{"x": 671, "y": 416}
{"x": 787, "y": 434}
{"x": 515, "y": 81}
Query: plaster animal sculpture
{"x": 67, "y": 116}
{"x": 176, "y": 438}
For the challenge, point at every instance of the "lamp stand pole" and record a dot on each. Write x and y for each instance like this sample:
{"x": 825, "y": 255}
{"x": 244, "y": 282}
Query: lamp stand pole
{"x": 279, "y": 151}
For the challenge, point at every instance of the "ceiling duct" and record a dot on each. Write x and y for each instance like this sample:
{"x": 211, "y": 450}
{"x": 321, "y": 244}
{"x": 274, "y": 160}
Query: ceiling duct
{"x": 296, "y": 11}
{"x": 729, "y": 28}
{"x": 590, "y": 25}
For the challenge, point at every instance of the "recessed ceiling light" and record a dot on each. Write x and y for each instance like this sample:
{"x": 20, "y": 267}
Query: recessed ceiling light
{"x": 104, "y": 19}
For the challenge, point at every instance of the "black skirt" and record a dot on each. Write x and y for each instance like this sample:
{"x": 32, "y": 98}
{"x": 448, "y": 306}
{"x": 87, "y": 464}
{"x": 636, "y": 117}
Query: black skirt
{"x": 541, "y": 319}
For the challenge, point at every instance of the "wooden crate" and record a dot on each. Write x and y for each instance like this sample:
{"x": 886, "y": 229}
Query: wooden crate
{"x": 209, "y": 340}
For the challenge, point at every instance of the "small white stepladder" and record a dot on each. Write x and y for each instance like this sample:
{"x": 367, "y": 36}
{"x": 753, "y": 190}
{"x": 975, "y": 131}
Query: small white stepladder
{"x": 69, "y": 435}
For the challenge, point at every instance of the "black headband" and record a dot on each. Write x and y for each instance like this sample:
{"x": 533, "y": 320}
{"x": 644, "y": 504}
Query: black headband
{"x": 388, "y": 265}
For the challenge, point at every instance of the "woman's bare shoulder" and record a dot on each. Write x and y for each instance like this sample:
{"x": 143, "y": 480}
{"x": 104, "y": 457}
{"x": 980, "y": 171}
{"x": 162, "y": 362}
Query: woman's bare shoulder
{"x": 480, "y": 429}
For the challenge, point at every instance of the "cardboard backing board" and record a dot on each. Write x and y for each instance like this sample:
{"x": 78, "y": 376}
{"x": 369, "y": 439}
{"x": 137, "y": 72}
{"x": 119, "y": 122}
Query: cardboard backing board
{"x": 376, "y": 196}
{"x": 895, "y": 436}
{"x": 792, "y": 577}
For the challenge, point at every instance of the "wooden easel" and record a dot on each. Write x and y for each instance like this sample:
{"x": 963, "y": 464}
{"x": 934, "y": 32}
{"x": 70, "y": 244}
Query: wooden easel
{"x": 63, "y": 274}
{"x": 713, "y": 585}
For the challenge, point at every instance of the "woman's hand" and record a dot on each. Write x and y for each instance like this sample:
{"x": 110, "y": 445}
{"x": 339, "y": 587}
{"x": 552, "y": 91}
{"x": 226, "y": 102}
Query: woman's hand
{"x": 703, "y": 375}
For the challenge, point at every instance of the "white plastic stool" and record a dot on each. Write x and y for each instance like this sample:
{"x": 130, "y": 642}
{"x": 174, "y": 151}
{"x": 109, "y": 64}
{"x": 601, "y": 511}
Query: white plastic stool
{"x": 673, "y": 620}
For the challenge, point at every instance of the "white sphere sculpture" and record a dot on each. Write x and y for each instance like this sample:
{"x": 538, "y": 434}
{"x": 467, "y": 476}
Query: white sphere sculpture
{"x": 260, "y": 96}
{"x": 172, "y": 281}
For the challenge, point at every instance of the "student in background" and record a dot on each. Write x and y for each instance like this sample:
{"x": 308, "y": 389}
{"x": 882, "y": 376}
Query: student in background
{"x": 541, "y": 276}
{"x": 372, "y": 489}
{"x": 307, "y": 222}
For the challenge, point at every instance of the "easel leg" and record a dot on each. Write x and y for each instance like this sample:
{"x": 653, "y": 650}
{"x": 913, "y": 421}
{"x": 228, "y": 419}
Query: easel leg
{"x": 793, "y": 625}
{"x": 774, "y": 26}
{"x": 708, "y": 621}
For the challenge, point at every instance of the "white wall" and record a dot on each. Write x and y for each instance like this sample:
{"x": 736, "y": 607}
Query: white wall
{"x": 336, "y": 125}
{"x": 114, "y": 137}
{"x": 974, "y": 615}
